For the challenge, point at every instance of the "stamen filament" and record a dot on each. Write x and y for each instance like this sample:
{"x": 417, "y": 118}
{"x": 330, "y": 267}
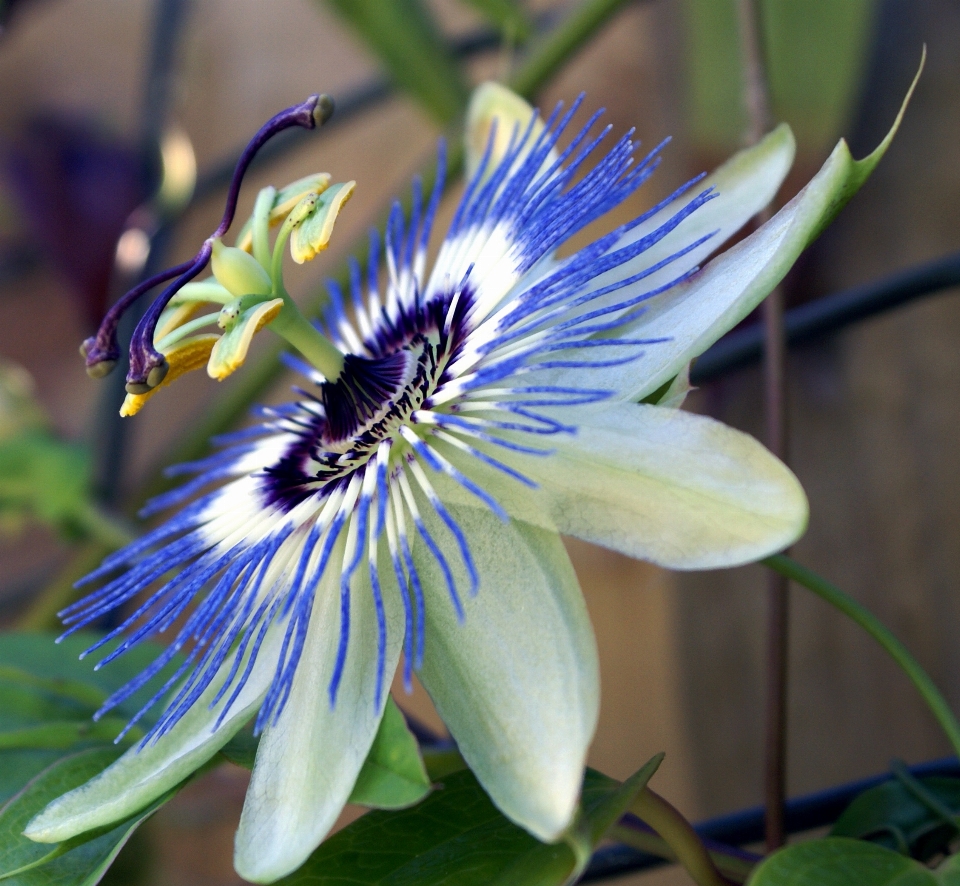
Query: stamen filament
{"x": 186, "y": 329}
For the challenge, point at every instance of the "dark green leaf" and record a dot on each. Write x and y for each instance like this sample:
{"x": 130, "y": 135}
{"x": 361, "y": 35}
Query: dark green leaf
{"x": 47, "y": 700}
{"x": 456, "y": 837}
{"x": 392, "y": 776}
{"x": 604, "y": 802}
{"x": 893, "y": 816}
{"x": 22, "y": 706}
{"x": 406, "y": 39}
{"x": 18, "y": 767}
{"x": 16, "y": 851}
{"x": 838, "y": 861}
{"x": 61, "y": 734}
{"x": 78, "y": 862}
{"x": 77, "y": 692}
{"x": 242, "y": 748}
{"x": 43, "y": 477}
{"x": 38, "y": 656}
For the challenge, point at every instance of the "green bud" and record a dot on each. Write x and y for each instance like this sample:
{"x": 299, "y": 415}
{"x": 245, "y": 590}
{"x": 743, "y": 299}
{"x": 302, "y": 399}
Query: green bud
{"x": 239, "y": 272}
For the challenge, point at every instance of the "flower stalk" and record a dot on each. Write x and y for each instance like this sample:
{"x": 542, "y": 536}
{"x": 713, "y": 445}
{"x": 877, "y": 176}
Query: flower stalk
{"x": 875, "y": 628}
{"x": 679, "y": 836}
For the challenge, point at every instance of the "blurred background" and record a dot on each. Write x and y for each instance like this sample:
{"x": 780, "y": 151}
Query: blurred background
{"x": 117, "y": 119}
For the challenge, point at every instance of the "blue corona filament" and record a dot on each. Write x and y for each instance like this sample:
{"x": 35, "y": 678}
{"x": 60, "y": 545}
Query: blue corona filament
{"x": 342, "y": 490}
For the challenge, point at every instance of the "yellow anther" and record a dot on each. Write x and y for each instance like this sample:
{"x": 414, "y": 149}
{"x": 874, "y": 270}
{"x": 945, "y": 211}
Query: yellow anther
{"x": 312, "y": 234}
{"x": 231, "y": 348}
{"x": 284, "y": 201}
{"x": 184, "y": 357}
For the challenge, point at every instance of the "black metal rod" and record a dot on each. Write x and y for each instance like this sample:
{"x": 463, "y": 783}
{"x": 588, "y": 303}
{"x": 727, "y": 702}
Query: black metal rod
{"x": 744, "y": 347}
{"x": 741, "y": 828}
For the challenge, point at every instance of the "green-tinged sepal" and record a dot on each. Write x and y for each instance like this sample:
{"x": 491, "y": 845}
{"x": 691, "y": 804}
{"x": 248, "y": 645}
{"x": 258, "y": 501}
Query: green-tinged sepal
{"x": 393, "y": 775}
{"x": 858, "y": 171}
{"x": 523, "y": 717}
{"x": 230, "y": 350}
{"x": 694, "y": 314}
{"x": 144, "y": 774}
{"x": 239, "y": 272}
{"x": 314, "y": 218}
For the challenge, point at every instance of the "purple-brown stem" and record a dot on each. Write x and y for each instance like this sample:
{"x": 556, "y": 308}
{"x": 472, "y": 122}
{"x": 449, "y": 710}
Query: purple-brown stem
{"x": 146, "y": 363}
{"x": 757, "y": 100}
{"x": 104, "y": 347}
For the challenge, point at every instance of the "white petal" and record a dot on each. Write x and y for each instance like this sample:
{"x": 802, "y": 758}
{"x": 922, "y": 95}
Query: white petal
{"x": 746, "y": 183}
{"x": 517, "y": 681}
{"x": 680, "y": 490}
{"x": 140, "y": 776}
{"x": 695, "y": 314}
{"x": 308, "y": 762}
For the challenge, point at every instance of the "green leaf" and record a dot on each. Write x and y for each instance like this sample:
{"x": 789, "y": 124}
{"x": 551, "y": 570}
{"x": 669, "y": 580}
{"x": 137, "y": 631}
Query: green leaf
{"x": 242, "y": 748}
{"x": 839, "y": 861}
{"x": 75, "y": 691}
{"x": 408, "y": 42}
{"x": 43, "y": 478}
{"x": 814, "y": 78}
{"x": 549, "y": 864}
{"x": 894, "y": 816}
{"x": 23, "y": 706}
{"x": 47, "y": 701}
{"x": 507, "y": 15}
{"x": 18, "y": 767}
{"x": 16, "y": 851}
{"x": 61, "y": 734}
{"x": 78, "y": 862}
{"x": 60, "y": 672}
{"x": 457, "y": 836}
{"x": 393, "y": 775}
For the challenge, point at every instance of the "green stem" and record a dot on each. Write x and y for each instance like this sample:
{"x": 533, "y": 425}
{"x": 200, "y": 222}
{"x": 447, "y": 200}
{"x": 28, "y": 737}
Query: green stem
{"x": 103, "y": 527}
{"x": 734, "y": 866}
{"x": 558, "y": 47}
{"x": 295, "y": 329}
{"x": 876, "y": 629}
{"x": 261, "y": 225}
{"x": 679, "y": 835}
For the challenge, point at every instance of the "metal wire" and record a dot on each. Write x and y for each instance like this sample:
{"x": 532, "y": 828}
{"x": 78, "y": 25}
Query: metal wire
{"x": 747, "y": 826}
{"x": 828, "y": 315}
